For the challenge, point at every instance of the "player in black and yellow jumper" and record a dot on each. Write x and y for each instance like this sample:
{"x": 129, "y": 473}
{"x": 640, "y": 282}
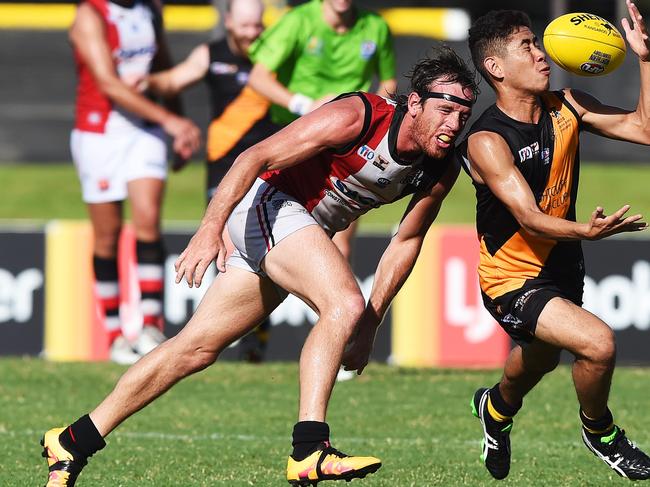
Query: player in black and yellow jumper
{"x": 522, "y": 155}
{"x": 240, "y": 116}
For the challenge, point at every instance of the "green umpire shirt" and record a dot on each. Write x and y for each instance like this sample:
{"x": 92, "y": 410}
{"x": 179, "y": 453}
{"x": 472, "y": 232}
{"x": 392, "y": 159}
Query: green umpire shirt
{"x": 309, "y": 57}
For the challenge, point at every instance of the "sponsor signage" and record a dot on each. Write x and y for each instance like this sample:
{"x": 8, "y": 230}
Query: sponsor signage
{"x": 617, "y": 290}
{"x": 291, "y": 322}
{"x": 47, "y": 301}
{"x": 469, "y": 334}
{"x": 22, "y": 279}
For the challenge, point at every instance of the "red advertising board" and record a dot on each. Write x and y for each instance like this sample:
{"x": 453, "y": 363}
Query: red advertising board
{"x": 469, "y": 336}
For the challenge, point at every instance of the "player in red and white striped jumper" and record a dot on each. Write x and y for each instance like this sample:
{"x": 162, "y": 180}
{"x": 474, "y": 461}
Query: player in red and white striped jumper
{"x": 119, "y": 149}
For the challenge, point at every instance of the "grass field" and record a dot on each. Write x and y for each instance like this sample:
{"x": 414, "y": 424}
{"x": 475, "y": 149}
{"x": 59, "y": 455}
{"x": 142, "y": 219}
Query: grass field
{"x": 230, "y": 426}
{"x": 43, "y": 192}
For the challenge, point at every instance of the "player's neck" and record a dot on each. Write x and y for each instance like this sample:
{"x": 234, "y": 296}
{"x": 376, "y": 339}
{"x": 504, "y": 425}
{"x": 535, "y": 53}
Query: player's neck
{"x": 523, "y": 107}
{"x": 234, "y": 46}
{"x": 339, "y": 22}
{"x": 407, "y": 147}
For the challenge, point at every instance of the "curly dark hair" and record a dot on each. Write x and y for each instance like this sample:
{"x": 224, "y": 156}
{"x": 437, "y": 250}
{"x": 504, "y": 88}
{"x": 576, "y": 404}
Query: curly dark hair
{"x": 489, "y": 35}
{"x": 443, "y": 64}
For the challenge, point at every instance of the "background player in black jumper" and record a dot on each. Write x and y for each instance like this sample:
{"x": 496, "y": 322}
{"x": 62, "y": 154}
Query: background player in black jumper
{"x": 240, "y": 116}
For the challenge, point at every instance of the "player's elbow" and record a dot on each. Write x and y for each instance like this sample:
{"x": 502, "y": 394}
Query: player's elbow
{"x": 529, "y": 222}
{"x": 254, "y": 158}
{"x": 109, "y": 85}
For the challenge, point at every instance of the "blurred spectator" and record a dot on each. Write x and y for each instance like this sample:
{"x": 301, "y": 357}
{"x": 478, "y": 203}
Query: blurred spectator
{"x": 240, "y": 116}
{"x": 317, "y": 51}
{"x": 119, "y": 150}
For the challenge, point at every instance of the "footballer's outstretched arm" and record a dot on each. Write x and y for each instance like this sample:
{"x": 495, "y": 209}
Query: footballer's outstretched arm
{"x": 613, "y": 122}
{"x": 492, "y": 164}
{"x": 396, "y": 265}
{"x": 189, "y": 71}
{"x": 332, "y": 126}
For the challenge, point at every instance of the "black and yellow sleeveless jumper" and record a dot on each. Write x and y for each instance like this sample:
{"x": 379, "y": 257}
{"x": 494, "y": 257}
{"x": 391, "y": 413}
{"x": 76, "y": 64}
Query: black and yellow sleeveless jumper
{"x": 547, "y": 154}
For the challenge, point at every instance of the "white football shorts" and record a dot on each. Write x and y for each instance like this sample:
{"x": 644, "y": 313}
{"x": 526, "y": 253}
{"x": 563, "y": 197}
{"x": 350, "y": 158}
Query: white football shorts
{"x": 106, "y": 162}
{"x": 262, "y": 219}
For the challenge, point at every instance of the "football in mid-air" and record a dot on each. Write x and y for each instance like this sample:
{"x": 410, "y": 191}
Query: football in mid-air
{"x": 584, "y": 44}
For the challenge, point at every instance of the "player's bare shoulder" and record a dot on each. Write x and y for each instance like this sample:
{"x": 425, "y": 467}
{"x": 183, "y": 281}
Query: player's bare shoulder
{"x": 485, "y": 152}
{"x": 581, "y": 101}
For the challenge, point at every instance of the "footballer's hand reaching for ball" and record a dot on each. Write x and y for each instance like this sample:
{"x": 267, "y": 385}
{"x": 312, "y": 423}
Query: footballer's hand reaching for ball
{"x": 205, "y": 246}
{"x": 636, "y": 32}
{"x": 601, "y": 225}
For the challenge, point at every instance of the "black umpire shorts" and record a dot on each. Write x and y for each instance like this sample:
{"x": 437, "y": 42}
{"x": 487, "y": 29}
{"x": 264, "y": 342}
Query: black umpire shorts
{"x": 518, "y": 311}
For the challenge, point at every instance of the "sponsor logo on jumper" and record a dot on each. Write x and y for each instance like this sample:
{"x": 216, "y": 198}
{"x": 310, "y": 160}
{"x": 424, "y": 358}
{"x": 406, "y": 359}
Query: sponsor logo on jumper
{"x": 353, "y": 195}
{"x": 314, "y": 46}
{"x": 140, "y": 51}
{"x": 366, "y": 152}
{"x": 546, "y": 155}
{"x": 368, "y": 48}
{"x": 381, "y": 163}
{"x": 555, "y": 196}
{"x": 242, "y": 77}
{"x": 382, "y": 182}
{"x": 529, "y": 152}
{"x": 222, "y": 68}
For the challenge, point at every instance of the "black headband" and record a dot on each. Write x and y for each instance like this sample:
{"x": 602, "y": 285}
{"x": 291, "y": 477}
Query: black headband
{"x": 446, "y": 96}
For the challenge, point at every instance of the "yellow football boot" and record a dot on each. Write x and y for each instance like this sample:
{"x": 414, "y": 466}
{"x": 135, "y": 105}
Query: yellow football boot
{"x": 327, "y": 463}
{"x": 64, "y": 465}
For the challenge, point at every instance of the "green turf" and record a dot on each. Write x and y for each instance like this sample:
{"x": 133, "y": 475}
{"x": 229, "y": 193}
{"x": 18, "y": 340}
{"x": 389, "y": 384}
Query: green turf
{"x": 44, "y": 192}
{"x": 230, "y": 426}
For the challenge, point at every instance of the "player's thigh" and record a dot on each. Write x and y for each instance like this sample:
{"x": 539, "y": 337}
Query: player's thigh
{"x": 539, "y": 355}
{"x": 99, "y": 161}
{"x": 308, "y": 265}
{"x": 343, "y": 239}
{"x": 566, "y": 325}
{"x": 236, "y": 302}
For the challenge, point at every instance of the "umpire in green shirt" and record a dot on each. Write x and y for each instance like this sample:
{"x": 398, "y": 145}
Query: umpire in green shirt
{"x": 317, "y": 51}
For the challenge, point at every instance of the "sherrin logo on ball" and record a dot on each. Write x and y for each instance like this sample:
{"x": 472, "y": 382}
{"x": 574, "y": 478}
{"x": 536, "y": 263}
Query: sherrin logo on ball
{"x": 584, "y": 44}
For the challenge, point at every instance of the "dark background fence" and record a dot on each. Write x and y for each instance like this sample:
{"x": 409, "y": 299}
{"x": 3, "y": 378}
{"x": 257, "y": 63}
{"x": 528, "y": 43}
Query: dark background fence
{"x": 38, "y": 80}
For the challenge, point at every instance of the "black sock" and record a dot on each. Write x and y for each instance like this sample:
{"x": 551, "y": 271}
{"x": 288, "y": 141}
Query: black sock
{"x": 307, "y": 435}
{"x": 82, "y": 437}
{"x": 598, "y": 426}
{"x": 501, "y": 405}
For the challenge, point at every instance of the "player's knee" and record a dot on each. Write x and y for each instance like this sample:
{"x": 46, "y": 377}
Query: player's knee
{"x": 351, "y": 309}
{"x": 199, "y": 358}
{"x": 601, "y": 350}
{"x": 106, "y": 242}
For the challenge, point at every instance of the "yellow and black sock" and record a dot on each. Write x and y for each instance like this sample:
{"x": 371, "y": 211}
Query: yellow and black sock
{"x": 498, "y": 408}
{"x": 600, "y": 426}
